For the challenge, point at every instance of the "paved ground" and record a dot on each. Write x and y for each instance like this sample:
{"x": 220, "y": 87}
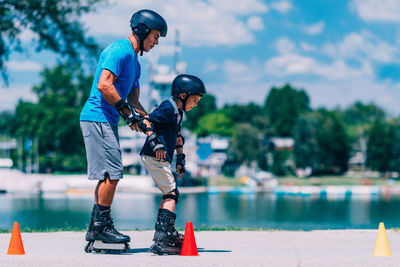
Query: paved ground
{"x": 277, "y": 248}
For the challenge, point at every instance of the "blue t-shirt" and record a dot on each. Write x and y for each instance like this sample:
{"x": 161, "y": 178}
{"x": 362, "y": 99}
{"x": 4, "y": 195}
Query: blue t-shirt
{"x": 119, "y": 58}
{"x": 166, "y": 120}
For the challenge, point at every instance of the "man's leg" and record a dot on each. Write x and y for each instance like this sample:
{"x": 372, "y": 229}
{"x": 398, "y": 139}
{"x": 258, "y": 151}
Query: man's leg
{"x": 104, "y": 192}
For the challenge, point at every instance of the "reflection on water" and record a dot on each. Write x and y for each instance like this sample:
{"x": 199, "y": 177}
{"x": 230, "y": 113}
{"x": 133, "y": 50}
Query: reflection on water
{"x": 138, "y": 211}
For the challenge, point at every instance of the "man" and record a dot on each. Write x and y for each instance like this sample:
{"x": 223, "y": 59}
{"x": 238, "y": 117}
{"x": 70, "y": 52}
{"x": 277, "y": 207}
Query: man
{"x": 115, "y": 91}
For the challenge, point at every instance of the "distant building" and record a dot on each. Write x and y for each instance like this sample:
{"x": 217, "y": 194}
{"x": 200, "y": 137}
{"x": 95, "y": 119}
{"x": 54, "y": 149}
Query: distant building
{"x": 5, "y": 153}
{"x": 211, "y": 155}
{"x": 282, "y": 143}
{"x": 131, "y": 143}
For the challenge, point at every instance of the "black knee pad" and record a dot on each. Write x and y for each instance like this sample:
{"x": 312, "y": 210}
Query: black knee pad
{"x": 171, "y": 196}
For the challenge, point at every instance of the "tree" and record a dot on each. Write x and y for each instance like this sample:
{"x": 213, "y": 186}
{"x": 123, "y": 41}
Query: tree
{"x": 6, "y": 123}
{"x": 247, "y": 144}
{"x": 361, "y": 114}
{"x": 215, "y": 123}
{"x": 333, "y": 143}
{"x": 54, "y": 120}
{"x": 283, "y": 106}
{"x": 206, "y": 105}
{"x": 395, "y": 146}
{"x": 56, "y": 24}
{"x": 379, "y": 147}
{"x": 305, "y": 141}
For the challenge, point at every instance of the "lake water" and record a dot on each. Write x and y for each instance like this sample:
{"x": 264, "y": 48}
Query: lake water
{"x": 262, "y": 210}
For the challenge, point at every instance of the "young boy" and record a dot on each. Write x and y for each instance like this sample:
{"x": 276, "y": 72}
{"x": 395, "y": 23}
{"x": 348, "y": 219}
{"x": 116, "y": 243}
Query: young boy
{"x": 163, "y": 130}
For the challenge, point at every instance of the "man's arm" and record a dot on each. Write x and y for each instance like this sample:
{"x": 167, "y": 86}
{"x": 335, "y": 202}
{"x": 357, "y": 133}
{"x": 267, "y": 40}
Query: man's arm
{"x": 107, "y": 89}
{"x": 133, "y": 100}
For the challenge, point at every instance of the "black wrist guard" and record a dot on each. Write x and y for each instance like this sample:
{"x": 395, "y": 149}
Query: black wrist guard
{"x": 183, "y": 141}
{"x": 155, "y": 143}
{"x": 130, "y": 119}
{"x": 180, "y": 160}
{"x": 143, "y": 126}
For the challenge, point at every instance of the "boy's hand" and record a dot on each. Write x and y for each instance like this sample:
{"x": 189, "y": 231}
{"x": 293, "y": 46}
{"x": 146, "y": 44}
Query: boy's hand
{"x": 157, "y": 146}
{"x": 161, "y": 154}
{"x": 180, "y": 164}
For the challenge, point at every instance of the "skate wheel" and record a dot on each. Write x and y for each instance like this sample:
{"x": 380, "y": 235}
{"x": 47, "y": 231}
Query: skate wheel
{"x": 89, "y": 247}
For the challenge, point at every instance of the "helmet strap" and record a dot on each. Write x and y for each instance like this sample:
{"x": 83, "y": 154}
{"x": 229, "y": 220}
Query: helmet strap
{"x": 184, "y": 100}
{"x": 141, "y": 32}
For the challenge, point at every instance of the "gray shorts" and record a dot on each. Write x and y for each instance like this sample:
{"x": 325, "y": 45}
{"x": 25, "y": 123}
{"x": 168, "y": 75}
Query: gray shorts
{"x": 102, "y": 150}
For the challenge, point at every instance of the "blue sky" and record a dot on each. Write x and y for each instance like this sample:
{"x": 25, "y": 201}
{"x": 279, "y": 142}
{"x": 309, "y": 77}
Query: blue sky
{"x": 339, "y": 51}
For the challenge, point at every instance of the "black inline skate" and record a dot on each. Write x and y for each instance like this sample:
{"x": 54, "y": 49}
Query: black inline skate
{"x": 103, "y": 237}
{"x": 166, "y": 239}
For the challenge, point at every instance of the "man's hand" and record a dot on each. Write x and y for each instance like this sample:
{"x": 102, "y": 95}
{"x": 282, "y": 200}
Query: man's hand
{"x": 128, "y": 113}
{"x": 180, "y": 164}
{"x": 135, "y": 127}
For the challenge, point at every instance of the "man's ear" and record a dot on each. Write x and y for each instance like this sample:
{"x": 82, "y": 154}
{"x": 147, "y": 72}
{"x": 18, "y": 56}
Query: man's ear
{"x": 183, "y": 95}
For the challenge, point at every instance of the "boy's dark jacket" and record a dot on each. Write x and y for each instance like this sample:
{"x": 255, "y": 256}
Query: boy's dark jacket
{"x": 166, "y": 121}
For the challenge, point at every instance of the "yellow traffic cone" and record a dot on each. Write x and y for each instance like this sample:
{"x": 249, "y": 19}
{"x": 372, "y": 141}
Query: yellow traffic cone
{"x": 382, "y": 245}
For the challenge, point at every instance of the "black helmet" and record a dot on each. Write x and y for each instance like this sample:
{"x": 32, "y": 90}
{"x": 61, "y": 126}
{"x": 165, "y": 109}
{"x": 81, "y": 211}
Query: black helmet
{"x": 189, "y": 84}
{"x": 144, "y": 21}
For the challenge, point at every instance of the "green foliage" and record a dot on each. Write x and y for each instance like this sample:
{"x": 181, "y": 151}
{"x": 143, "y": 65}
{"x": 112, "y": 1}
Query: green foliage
{"x": 55, "y": 118}
{"x": 362, "y": 114}
{"x": 55, "y": 23}
{"x": 6, "y": 123}
{"x": 247, "y": 144}
{"x": 333, "y": 144}
{"x": 283, "y": 107}
{"x": 305, "y": 141}
{"x": 379, "y": 148}
{"x": 206, "y": 105}
{"x": 280, "y": 166}
{"x": 214, "y": 123}
{"x": 395, "y": 146}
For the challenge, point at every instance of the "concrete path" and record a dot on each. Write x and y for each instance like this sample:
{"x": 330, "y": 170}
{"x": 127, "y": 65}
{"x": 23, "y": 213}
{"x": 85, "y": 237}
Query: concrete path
{"x": 246, "y": 248}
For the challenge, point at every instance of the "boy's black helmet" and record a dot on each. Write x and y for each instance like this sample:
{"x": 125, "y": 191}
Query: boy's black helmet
{"x": 189, "y": 84}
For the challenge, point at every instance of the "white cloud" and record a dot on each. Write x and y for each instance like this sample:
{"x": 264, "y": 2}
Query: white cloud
{"x": 236, "y": 71}
{"x": 255, "y": 23}
{"x": 363, "y": 46}
{"x": 210, "y": 66}
{"x": 344, "y": 93}
{"x": 282, "y": 6}
{"x": 377, "y": 10}
{"x": 10, "y": 96}
{"x": 23, "y": 66}
{"x": 284, "y": 45}
{"x": 207, "y": 23}
{"x": 294, "y": 64}
{"x": 314, "y": 29}
{"x": 307, "y": 47}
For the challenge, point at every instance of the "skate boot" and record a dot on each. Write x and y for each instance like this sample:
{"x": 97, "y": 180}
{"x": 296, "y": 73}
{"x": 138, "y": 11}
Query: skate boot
{"x": 89, "y": 233}
{"x": 105, "y": 238}
{"x": 166, "y": 239}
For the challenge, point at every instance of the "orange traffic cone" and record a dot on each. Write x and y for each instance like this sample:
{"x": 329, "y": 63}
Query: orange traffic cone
{"x": 189, "y": 247}
{"x": 16, "y": 247}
